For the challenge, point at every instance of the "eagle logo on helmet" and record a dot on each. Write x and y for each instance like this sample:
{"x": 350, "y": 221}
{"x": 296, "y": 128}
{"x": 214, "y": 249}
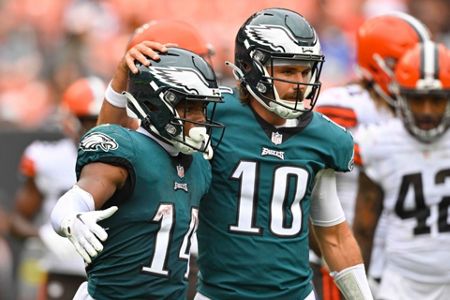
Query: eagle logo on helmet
{"x": 97, "y": 141}
{"x": 185, "y": 79}
{"x": 274, "y": 36}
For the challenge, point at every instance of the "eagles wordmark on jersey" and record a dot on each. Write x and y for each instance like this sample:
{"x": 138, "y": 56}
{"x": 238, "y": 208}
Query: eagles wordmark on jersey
{"x": 253, "y": 240}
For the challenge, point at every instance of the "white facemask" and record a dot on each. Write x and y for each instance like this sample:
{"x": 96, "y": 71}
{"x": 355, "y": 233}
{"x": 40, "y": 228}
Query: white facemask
{"x": 196, "y": 140}
{"x": 285, "y": 112}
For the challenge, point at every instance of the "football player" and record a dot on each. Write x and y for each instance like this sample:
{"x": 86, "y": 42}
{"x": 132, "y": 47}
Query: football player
{"x": 158, "y": 34}
{"x": 380, "y": 42}
{"x": 273, "y": 170}
{"x": 134, "y": 208}
{"x": 406, "y": 165}
{"x": 47, "y": 168}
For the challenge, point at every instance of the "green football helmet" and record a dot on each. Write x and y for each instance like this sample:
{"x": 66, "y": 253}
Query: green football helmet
{"x": 178, "y": 77}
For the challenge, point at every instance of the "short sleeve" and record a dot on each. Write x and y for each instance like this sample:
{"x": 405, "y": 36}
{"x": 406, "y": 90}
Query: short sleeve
{"x": 111, "y": 144}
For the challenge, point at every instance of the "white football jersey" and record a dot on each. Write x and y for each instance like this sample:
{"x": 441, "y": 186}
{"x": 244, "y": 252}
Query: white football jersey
{"x": 415, "y": 178}
{"x": 350, "y": 106}
{"x": 52, "y": 164}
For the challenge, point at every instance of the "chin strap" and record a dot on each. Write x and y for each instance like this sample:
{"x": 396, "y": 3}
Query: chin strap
{"x": 195, "y": 141}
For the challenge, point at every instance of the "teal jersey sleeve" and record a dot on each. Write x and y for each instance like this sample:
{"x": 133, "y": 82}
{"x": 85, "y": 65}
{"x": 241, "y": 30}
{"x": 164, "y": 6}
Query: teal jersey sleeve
{"x": 341, "y": 144}
{"x": 111, "y": 144}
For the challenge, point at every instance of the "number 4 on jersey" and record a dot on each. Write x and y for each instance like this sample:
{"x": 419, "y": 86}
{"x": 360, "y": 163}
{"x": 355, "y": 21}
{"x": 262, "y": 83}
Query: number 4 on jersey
{"x": 421, "y": 211}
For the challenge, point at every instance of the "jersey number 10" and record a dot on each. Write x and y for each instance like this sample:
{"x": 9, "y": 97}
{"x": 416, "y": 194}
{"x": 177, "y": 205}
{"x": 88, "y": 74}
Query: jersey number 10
{"x": 247, "y": 173}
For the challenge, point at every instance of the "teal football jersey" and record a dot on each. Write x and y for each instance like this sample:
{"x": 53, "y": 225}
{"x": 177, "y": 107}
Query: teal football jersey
{"x": 147, "y": 250}
{"x": 253, "y": 224}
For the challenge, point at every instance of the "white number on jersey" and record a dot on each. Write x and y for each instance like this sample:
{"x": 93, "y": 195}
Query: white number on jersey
{"x": 166, "y": 217}
{"x": 246, "y": 173}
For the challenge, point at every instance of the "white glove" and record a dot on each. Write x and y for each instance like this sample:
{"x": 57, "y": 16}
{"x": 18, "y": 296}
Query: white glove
{"x": 84, "y": 232}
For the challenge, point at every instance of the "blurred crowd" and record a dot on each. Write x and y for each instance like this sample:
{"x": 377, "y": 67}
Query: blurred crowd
{"x": 47, "y": 45}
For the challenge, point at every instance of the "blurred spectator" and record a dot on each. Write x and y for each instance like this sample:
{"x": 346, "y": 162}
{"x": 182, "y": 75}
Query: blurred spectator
{"x": 436, "y": 15}
{"x": 47, "y": 168}
{"x": 381, "y": 41}
{"x": 6, "y": 275}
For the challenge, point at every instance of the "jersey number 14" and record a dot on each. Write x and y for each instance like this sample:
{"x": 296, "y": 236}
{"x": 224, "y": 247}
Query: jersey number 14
{"x": 165, "y": 215}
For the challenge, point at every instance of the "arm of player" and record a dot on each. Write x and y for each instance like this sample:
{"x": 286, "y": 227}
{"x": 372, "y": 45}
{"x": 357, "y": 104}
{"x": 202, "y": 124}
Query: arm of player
{"x": 76, "y": 213}
{"x": 27, "y": 204}
{"x": 335, "y": 239}
{"x": 114, "y": 105}
{"x": 368, "y": 207}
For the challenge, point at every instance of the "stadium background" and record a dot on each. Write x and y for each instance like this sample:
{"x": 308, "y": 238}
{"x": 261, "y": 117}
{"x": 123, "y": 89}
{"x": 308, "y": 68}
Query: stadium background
{"x": 45, "y": 45}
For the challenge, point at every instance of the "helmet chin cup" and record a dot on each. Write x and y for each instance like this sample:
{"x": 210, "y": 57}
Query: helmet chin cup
{"x": 285, "y": 112}
{"x": 196, "y": 141}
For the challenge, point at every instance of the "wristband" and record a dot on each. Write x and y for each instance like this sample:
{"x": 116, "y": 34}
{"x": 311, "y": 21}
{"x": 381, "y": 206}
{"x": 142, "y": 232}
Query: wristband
{"x": 352, "y": 282}
{"x": 74, "y": 201}
{"x": 114, "y": 98}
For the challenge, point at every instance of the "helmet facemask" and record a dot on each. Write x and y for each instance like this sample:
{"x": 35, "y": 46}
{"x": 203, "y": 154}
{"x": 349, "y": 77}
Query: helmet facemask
{"x": 262, "y": 83}
{"x": 162, "y": 94}
{"x": 163, "y": 119}
{"x": 438, "y": 124}
{"x": 272, "y": 38}
{"x": 422, "y": 89}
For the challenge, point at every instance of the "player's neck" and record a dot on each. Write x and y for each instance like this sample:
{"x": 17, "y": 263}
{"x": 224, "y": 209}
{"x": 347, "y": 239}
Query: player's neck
{"x": 266, "y": 115}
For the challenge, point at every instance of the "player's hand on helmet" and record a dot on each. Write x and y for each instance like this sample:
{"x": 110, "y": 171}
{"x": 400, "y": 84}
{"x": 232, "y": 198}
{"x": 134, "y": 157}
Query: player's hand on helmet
{"x": 85, "y": 234}
{"x": 142, "y": 51}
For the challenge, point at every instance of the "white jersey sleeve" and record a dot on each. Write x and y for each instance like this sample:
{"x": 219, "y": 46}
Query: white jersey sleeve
{"x": 52, "y": 165}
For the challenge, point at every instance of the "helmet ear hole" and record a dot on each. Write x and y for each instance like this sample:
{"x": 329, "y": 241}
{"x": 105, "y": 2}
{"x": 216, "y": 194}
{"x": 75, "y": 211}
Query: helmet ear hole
{"x": 245, "y": 67}
{"x": 151, "y": 107}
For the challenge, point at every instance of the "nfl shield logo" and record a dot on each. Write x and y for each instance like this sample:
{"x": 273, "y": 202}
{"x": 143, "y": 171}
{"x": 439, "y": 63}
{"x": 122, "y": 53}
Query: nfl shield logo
{"x": 277, "y": 138}
{"x": 180, "y": 171}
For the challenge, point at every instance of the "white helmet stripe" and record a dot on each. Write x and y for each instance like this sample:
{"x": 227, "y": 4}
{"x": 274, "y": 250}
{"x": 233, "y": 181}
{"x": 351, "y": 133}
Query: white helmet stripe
{"x": 428, "y": 67}
{"x": 419, "y": 27}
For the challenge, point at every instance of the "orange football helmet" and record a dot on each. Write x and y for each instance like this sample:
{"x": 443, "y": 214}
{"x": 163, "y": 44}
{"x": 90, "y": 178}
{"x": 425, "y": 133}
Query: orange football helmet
{"x": 380, "y": 42}
{"x": 423, "y": 74}
{"x": 84, "y": 97}
{"x": 169, "y": 31}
